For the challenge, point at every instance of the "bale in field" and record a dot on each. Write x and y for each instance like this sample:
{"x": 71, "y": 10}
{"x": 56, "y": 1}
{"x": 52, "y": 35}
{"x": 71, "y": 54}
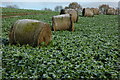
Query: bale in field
{"x": 32, "y": 32}
{"x": 62, "y": 22}
{"x": 111, "y": 11}
{"x": 117, "y": 11}
{"x": 95, "y": 11}
{"x": 87, "y": 12}
{"x": 103, "y": 8}
{"x": 73, "y": 12}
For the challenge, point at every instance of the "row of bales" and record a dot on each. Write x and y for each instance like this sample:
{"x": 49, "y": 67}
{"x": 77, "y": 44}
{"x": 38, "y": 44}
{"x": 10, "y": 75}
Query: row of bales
{"x": 102, "y": 9}
{"x": 95, "y": 11}
{"x": 34, "y": 32}
{"x": 106, "y": 9}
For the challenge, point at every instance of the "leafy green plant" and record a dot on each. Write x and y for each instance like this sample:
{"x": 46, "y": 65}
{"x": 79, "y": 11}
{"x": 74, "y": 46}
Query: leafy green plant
{"x": 91, "y": 51}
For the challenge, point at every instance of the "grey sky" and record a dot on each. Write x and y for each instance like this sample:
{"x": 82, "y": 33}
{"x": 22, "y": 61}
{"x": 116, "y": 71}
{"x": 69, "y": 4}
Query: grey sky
{"x": 60, "y": 0}
{"x": 36, "y": 4}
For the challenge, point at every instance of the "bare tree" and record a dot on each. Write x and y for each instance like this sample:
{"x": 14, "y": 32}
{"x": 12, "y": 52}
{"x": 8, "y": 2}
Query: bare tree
{"x": 58, "y": 8}
{"x": 75, "y": 5}
{"x": 12, "y": 6}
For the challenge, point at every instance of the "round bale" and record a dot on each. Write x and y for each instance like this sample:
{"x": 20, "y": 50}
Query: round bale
{"x": 95, "y": 11}
{"x": 87, "y": 12}
{"x": 73, "y": 12}
{"x": 111, "y": 11}
{"x": 117, "y": 11}
{"x": 32, "y": 32}
{"x": 62, "y": 22}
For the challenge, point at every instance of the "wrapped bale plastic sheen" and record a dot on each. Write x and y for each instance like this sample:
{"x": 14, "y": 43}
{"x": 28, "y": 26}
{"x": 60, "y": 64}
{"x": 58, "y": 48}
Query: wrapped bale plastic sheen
{"x": 62, "y": 22}
{"x": 87, "y": 12}
{"x": 73, "y": 12}
{"x": 32, "y": 32}
{"x": 95, "y": 11}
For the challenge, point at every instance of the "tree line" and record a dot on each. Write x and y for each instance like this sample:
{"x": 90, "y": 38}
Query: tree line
{"x": 73, "y": 5}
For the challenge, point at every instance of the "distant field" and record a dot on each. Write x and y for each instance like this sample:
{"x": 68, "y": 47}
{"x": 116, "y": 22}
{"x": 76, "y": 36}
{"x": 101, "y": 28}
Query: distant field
{"x": 10, "y": 12}
{"x": 91, "y": 51}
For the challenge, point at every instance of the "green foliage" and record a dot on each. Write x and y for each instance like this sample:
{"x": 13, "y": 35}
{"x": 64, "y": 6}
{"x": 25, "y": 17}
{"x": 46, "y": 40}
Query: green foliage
{"x": 89, "y": 52}
{"x": 13, "y": 10}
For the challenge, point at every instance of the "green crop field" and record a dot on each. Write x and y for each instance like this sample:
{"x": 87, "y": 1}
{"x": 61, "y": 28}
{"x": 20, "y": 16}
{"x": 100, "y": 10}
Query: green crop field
{"x": 91, "y": 51}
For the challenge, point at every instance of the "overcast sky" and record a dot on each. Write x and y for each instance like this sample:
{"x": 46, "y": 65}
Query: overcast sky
{"x": 60, "y": 0}
{"x": 33, "y": 5}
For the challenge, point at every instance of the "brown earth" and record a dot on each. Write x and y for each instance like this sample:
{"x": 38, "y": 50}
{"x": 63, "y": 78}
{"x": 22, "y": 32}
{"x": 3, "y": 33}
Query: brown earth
{"x": 7, "y": 15}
